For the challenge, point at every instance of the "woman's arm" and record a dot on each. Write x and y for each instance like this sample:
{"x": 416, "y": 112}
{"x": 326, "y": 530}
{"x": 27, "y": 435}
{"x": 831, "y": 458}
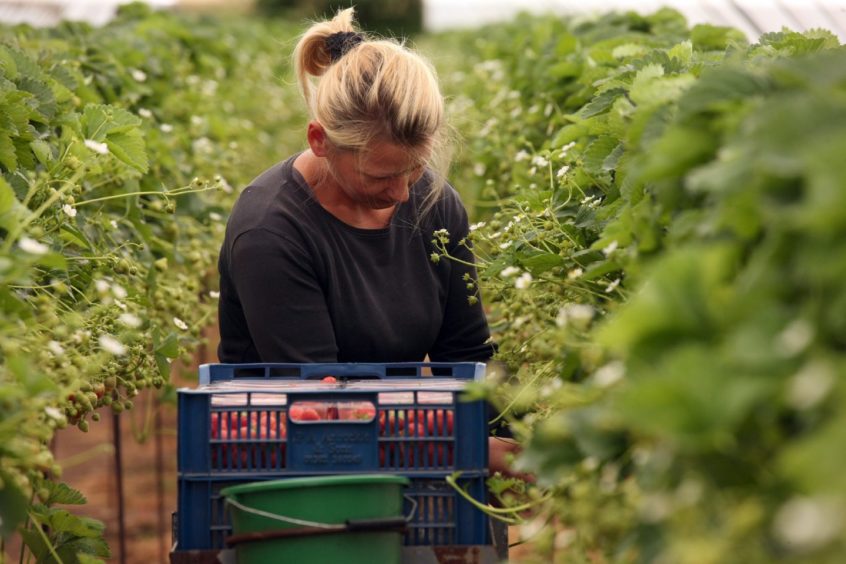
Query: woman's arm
{"x": 282, "y": 301}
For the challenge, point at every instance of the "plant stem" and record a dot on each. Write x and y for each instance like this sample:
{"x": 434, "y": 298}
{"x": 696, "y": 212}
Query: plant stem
{"x": 44, "y": 537}
{"x": 508, "y": 407}
{"x": 175, "y": 192}
{"x": 490, "y": 510}
{"x": 18, "y": 229}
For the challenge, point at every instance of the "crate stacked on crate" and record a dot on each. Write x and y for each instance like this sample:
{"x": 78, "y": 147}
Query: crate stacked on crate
{"x": 246, "y": 423}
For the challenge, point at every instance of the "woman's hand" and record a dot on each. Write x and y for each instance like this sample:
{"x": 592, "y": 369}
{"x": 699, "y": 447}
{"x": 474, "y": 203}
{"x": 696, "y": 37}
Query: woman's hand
{"x": 501, "y": 453}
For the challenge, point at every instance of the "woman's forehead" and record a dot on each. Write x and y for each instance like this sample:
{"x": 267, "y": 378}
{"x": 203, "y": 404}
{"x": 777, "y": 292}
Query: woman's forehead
{"x": 391, "y": 158}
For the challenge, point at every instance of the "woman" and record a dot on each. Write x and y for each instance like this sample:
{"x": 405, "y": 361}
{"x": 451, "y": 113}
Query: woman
{"x": 328, "y": 255}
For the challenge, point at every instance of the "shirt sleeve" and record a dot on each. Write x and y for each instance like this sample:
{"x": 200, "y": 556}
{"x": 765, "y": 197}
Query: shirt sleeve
{"x": 282, "y": 301}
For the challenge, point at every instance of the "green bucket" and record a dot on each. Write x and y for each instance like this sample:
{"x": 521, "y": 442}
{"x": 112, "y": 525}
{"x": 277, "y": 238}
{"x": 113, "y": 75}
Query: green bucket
{"x": 347, "y": 518}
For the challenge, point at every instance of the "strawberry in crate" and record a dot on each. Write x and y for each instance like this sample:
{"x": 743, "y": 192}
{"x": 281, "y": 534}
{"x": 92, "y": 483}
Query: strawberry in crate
{"x": 248, "y": 440}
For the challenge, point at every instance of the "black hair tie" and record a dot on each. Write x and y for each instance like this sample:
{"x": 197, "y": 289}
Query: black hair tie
{"x": 341, "y": 42}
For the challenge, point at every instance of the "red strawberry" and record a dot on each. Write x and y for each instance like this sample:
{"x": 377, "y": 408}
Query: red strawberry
{"x": 303, "y": 413}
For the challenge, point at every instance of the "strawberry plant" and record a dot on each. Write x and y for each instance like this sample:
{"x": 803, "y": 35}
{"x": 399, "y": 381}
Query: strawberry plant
{"x": 119, "y": 150}
{"x": 658, "y": 247}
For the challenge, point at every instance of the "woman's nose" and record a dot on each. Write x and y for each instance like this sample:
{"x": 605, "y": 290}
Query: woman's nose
{"x": 398, "y": 190}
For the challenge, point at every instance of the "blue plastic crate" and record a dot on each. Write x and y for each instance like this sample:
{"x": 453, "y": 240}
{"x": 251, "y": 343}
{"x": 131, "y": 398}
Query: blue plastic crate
{"x": 239, "y": 426}
{"x": 441, "y": 517}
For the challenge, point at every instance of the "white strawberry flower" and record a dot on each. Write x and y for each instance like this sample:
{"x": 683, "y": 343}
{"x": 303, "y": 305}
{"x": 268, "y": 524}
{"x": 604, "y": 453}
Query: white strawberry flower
{"x": 111, "y": 345}
{"x": 102, "y": 286}
{"x": 119, "y": 291}
{"x": 509, "y": 271}
{"x": 566, "y": 149}
{"x": 97, "y": 147}
{"x": 612, "y": 246}
{"x": 609, "y": 374}
{"x": 523, "y": 281}
{"x": 32, "y": 246}
{"x": 612, "y": 286}
{"x": 130, "y": 320}
{"x": 540, "y": 161}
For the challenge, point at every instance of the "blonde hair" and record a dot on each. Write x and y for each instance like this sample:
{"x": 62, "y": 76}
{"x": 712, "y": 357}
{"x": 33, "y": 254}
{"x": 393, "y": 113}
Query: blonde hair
{"x": 377, "y": 90}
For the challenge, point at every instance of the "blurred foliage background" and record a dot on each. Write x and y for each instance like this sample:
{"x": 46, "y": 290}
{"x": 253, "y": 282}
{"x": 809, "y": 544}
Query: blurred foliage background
{"x": 393, "y": 18}
{"x": 658, "y": 218}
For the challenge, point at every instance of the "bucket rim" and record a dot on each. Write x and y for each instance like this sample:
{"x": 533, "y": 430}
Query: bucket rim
{"x": 312, "y": 482}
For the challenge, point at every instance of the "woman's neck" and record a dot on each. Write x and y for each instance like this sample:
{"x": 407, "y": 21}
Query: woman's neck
{"x": 333, "y": 198}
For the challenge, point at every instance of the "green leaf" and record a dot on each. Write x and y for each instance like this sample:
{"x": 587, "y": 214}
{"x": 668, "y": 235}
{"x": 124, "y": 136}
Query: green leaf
{"x": 62, "y": 521}
{"x": 163, "y": 364}
{"x": 169, "y": 347}
{"x": 8, "y": 68}
{"x": 24, "y": 64}
{"x": 565, "y": 69}
{"x": 676, "y": 151}
{"x": 53, "y": 260}
{"x": 682, "y": 298}
{"x": 8, "y": 156}
{"x": 84, "y": 558}
{"x": 8, "y": 199}
{"x": 12, "y": 304}
{"x": 120, "y": 130}
{"x": 597, "y": 152}
{"x": 682, "y": 51}
{"x": 706, "y": 37}
{"x": 63, "y": 493}
{"x": 100, "y": 120}
{"x": 29, "y": 375}
{"x": 613, "y": 158}
{"x": 90, "y": 547}
{"x": 129, "y": 148}
{"x": 816, "y": 461}
{"x": 720, "y": 89}
{"x": 42, "y": 151}
{"x": 649, "y": 90}
{"x": 41, "y": 91}
{"x": 599, "y": 269}
{"x": 13, "y": 506}
{"x": 26, "y": 160}
{"x": 71, "y": 234}
{"x": 543, "y": 262}
{"x": 600, "y": 103}
{"x": 35, "y": 542}
{"x": 692, "y": 396}
{"x": 628, "y": 50}
{"x": 65, "y": 77}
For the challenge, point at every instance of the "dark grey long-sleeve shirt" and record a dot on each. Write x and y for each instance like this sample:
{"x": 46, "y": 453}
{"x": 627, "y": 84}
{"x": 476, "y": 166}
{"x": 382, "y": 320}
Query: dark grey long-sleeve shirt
{"x": 299, "y": 285}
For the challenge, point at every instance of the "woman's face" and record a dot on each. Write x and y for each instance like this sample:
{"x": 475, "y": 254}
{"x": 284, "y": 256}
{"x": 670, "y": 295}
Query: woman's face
{"x": 378, "y": 177}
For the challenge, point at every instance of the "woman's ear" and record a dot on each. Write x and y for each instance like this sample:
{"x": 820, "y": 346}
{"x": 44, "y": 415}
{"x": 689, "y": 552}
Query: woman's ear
{"x": 317, "y": 140}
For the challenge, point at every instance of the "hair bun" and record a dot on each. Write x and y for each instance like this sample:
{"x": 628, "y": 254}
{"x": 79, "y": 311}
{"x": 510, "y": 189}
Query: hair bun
{"x": 341, "y": 42}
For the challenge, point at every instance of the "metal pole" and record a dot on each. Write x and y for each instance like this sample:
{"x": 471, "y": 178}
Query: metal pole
{"x": 160, "y": 476}
{"x": 116, "y": 439}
